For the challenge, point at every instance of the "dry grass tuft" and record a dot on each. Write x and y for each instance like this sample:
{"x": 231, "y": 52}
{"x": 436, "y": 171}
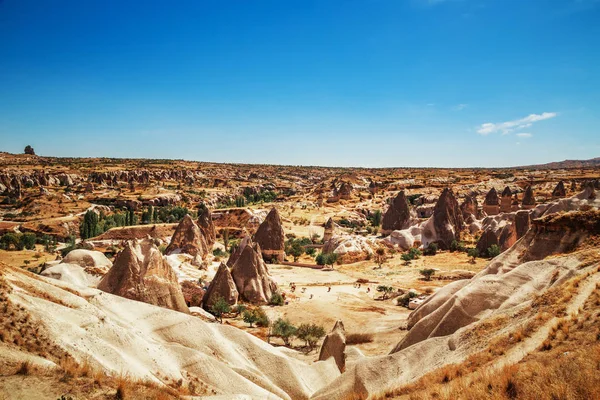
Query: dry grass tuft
{"x": 25, "y": 368}
{"x": 359, "y": 338}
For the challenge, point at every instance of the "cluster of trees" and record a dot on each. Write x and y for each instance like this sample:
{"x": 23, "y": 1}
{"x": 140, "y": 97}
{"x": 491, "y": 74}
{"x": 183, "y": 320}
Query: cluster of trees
{"x": 472, "y": 252}
{"x": 255, "y": 316}
{"x": 309, "y": 333}
{"x": 18, "y": 241}
{"x": 266, "y": 196}
{"x": 94, "y": 224}
{"x": 326, "y": 259}
{"x": 295, "y": 247}
{"x": 412, "y": 254}
{"x": 250, "y": 316}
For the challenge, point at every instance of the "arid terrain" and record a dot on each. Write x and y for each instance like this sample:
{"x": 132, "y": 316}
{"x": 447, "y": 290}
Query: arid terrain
{"x": 138, "y": 278}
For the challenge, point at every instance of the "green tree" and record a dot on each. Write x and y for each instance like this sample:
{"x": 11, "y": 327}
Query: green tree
{"x": 9, "y": 239}
{"x": 250, "y": 317}
{"x": 89, "y": 226}
{"x": 310, "y": 333}
{"x": 219, "y": 308}
{"x": 473, "y": 253}
{"x": 385, "y": 290}
{"x": 276, "y": 299}
{"x": 27, "y": 241}
{"x": 493, "y": 251}
{"x": 283, "y": 329}
{"x": 376, "y": 218}
{"x": 427, "y": 273}
{"x": 295, "y": 250}
{"x": 431, "y": 250}
{"x": 405, "y": 298}
{"x": 414, "y": 253}
{"x": 380, "y": 256}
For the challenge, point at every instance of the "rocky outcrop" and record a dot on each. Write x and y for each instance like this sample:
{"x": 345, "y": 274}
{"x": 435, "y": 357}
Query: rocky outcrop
{"x": 205, "y": 223}
{"x": 506, "y": 200}
{"x": 508, "y": 236}
{"x": 447, "y": 219}
{"x": 509, "y": 280}
{"x": 559, "y": 191}
{"x": 528, "y": 199}
{"x": 271, "y": 238}
{"x": 491, "y": 204}
{"x": 140, "y": 272}
{"x": 345, "y": 191}
{"x": 469, "y": 208}
{"x": 222, "y": 286}
{"x": 192, "y": 293}
{"x": 397, "y": 215}
{"x": 251, "y": 276}
{"x": 93, "y": 262}
{"x": 329, "y": 229}
{"x": 487, "y": 239}
{"x": 188, "y": 238}
{"x": 350, "y": 248}
{"x": 334, "y": 346}
{"x": 521, "y": 223}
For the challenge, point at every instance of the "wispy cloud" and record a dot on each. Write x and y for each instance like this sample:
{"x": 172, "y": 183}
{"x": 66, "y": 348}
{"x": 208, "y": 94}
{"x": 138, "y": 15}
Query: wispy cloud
{"x": 524, "y": 135}
{"x": 509, "y": 126}
{"x": 460, "y": 107}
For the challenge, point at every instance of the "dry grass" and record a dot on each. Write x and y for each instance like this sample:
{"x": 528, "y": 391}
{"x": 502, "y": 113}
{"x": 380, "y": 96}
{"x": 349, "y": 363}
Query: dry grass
{"x": 358, "y": 338}
{"x": 24, "y": 368}
{"x": 566, "y": 366}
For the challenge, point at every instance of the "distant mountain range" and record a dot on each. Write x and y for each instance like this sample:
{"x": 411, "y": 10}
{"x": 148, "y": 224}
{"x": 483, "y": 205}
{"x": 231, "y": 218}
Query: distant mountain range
{"x": 593, "y": 162}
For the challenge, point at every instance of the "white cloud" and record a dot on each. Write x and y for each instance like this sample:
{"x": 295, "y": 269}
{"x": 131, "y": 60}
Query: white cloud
{"x": 509, "y": 126}
{"x": 460, "y": 107}
{"x": 524, "y": 135}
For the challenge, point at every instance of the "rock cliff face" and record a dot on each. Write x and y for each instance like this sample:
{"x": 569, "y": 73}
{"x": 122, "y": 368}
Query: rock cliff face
{"x": 205, "y": 223}
{"x": 397, "y": 215}
{"x": 447, "y": 219}
{"x": 469, "y": 209}
{"x": 528, "y": 198}
{"x": 141, "y": 273}
{"x": 511, "y": 278}
{"x": 222, "y": 286}
{"x": 271, "y": 238}
{"x": 559, "y": 190}
{"x": 334, "y": 346}
{"x": 251, "y": 276}
{"x": 188, "y": 238}
{"x": 350, "y": 248}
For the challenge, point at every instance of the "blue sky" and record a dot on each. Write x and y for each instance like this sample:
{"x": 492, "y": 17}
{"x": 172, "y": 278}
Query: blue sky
{"x": 340, "y": 83}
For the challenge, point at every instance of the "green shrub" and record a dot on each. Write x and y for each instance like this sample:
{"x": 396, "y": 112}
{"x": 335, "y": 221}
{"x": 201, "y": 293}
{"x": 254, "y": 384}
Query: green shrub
{"x": 263, "y": 319}
{"x": 276, "y": 299}
{"x": 493, "y": 251}
{"x": 283, "y": 329}
{"x": 405, "y": 298}
{"x": 310, "y": 333}
{"x": 250, "y": 317}
{"x": 431, "y": 250}
{"x": 219, "y": 308}
{"x": 427, "y": 273}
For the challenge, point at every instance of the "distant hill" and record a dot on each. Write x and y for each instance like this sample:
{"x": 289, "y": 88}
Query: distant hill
{"x": 594, "y": 162}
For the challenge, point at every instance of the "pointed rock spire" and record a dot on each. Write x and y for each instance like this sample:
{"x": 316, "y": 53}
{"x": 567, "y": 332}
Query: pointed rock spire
{"x": 397, "y": 215}
{"x": 270, "y": 237}
{"x": 222, "y": 286}
{"x": 140, "y": 272}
